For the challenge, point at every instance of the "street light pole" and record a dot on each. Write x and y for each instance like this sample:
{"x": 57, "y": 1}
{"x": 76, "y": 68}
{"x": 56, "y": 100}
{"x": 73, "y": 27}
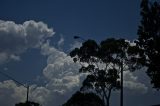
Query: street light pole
{"x": 26, "y": 86}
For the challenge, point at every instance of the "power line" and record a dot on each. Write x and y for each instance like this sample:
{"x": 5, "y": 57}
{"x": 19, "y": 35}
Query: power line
{"x": 8, "y": 76}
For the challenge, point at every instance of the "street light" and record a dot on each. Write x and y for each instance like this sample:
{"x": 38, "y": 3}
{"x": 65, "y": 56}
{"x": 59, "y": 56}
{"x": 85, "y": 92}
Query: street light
{"x": 26, "y": 86}
{"x": 78, "y": 37}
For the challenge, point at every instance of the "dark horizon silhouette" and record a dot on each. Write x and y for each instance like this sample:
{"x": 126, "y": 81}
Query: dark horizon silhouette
{"x": 29, "y": 103}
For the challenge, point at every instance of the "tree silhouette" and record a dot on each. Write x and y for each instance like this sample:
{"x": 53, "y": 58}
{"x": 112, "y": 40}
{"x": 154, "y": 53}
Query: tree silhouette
{"x": 149, "y": 40}
{"x": 84, "y": 99}
{"x": 103, "y": 63}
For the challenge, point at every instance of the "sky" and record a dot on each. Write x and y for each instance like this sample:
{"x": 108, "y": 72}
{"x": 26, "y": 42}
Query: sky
{"x": 36, "y": 37}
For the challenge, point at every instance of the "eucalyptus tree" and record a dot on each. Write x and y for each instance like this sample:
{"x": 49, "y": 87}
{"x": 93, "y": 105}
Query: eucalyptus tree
{"x": 149, "y": 40}
{"x": 104, "y": 64}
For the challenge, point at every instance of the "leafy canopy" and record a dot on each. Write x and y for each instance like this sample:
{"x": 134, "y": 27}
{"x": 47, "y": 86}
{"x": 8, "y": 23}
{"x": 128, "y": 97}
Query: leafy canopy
{"x": 103, "y": 63}
{"x": 149, "y": 40}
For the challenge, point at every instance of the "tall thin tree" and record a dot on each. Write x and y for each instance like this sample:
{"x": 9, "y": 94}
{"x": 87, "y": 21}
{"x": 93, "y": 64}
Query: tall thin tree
{"x": 149, "y": 39}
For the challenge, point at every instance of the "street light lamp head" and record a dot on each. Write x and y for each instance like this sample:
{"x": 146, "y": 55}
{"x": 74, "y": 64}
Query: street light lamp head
{"x": 76, "y": 37}
{"x": 79, "y": 37}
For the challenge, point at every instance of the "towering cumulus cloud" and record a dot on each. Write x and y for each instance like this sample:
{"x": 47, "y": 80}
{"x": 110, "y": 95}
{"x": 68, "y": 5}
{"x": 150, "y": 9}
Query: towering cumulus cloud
{"x": 16, "y": 38}
{"x": 60, "y": 74}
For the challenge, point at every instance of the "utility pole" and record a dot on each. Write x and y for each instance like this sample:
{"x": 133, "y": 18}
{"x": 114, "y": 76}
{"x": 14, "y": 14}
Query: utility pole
{"x": 27, "y": 93}
{"x": 26, "y": 86}
{"x": 121, "y": 92}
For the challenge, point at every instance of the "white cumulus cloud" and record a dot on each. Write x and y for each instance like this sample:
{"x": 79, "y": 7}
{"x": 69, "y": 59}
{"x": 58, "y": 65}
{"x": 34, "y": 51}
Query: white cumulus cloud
{"x": 61, "y": 73}
{"x": 11, "y": 93}
{"x": 76, "y": 44}
{"x": 16, "y": 38}
{"x": 131, "y": 82}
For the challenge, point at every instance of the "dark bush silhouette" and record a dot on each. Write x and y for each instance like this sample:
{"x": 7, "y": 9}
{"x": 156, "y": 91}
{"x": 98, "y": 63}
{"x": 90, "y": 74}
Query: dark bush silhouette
{"x": 84, "y": 99}
{"x": 28, "y": 104}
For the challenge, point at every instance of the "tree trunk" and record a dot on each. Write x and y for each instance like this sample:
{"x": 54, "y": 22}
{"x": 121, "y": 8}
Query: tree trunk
{"x": 121, "y": 95}
{"x": 107, "y": 101}
{"x": 109, "y": 95}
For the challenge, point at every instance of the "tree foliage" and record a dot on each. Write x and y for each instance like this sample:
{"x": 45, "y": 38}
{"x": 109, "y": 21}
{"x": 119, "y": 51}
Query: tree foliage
{"x": 103, "y": 62}
{"x": 149, "y": 39}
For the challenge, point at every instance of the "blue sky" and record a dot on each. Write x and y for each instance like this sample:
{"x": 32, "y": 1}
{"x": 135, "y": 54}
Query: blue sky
{"x": 88, "y": 18}
{"x": 41, "y": 60}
